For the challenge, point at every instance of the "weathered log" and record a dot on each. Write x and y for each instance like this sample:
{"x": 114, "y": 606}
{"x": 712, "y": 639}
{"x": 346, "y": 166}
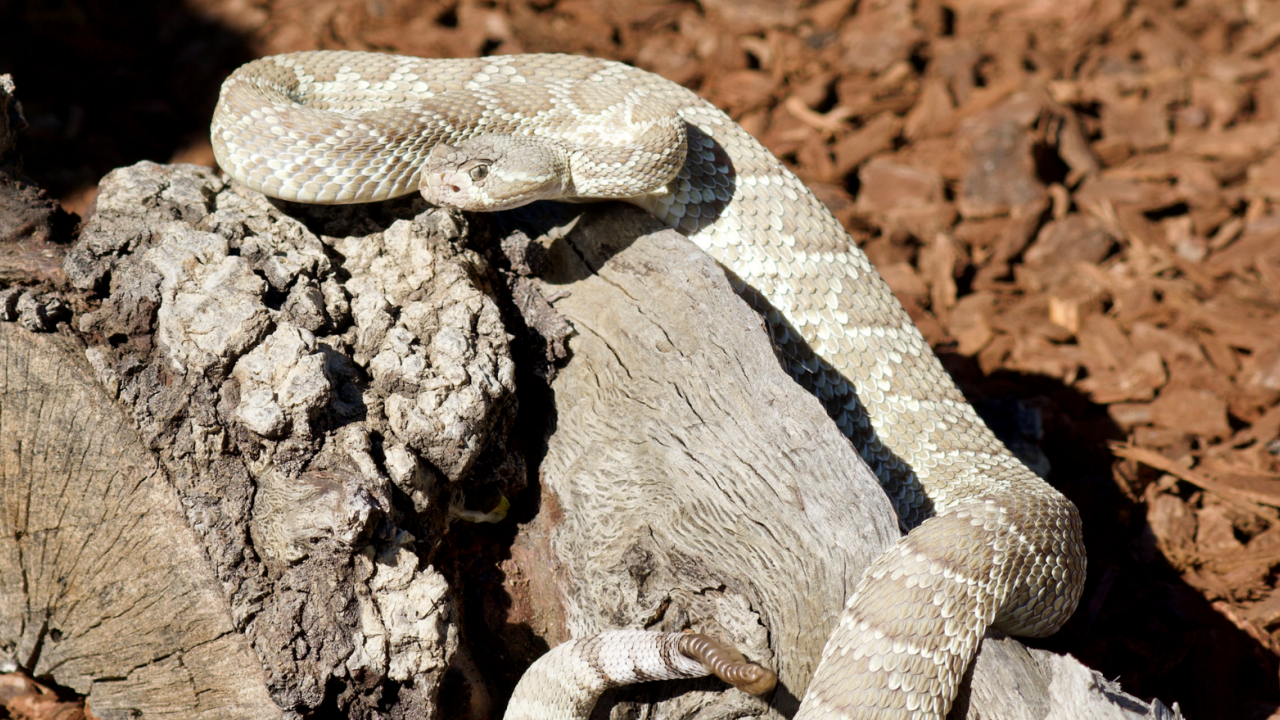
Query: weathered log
{"x": 258, "y": 384}
{"x": 690, "y": 483}
{"x": 302, "y": 400}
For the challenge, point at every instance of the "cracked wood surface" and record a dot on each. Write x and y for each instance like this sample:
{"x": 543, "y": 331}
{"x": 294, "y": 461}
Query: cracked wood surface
{"x": 90, "y": 530}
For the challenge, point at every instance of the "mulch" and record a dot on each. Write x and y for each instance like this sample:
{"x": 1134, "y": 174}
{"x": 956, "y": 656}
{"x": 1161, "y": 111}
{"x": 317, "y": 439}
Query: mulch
{"x": 1078, "y": 201}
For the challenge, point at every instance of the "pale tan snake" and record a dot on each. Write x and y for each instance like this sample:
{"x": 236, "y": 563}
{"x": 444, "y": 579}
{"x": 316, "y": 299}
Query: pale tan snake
{"x": 990, "y": 543}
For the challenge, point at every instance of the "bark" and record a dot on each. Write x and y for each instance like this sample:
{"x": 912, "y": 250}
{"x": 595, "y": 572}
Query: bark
{"x": 313, "y": 408}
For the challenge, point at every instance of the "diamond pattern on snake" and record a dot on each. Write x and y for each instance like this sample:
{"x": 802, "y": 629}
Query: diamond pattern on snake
{"x": 988, "y": 541}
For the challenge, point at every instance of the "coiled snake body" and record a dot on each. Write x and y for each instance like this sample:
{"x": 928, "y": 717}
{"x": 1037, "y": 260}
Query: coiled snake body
{"x": 989, "y": 542}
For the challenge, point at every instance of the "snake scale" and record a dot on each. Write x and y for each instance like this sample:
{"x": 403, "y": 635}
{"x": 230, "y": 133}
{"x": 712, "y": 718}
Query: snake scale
{"x": 988, "y": 542}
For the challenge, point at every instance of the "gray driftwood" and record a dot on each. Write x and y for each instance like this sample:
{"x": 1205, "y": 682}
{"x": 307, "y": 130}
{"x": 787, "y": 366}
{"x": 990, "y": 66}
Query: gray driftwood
{"x": 227, "y": 476}
{"x": 690, "y": 483}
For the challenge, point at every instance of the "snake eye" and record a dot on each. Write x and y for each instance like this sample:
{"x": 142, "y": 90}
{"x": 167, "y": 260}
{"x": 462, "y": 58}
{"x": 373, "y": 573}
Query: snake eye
{"x": 479, "y": 172}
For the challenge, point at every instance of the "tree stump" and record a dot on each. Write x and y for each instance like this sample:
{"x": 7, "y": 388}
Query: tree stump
{"x": 106, "y": 587}
{"x": 228, "y": 475}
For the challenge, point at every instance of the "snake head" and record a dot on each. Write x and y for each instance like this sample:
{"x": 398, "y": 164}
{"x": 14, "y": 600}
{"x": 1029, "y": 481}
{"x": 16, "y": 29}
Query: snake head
{"x": 495, "y": 172}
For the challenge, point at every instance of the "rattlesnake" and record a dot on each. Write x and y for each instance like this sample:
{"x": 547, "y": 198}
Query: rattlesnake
{"x": 989, "y": 542}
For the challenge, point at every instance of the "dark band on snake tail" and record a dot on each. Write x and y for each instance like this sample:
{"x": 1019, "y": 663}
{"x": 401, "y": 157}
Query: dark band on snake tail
{"x": 726, "y": 663}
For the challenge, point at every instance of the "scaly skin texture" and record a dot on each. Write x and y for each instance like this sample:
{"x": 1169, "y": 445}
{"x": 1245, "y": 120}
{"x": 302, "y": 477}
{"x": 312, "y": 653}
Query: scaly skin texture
{"x": 989, "y": 542}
